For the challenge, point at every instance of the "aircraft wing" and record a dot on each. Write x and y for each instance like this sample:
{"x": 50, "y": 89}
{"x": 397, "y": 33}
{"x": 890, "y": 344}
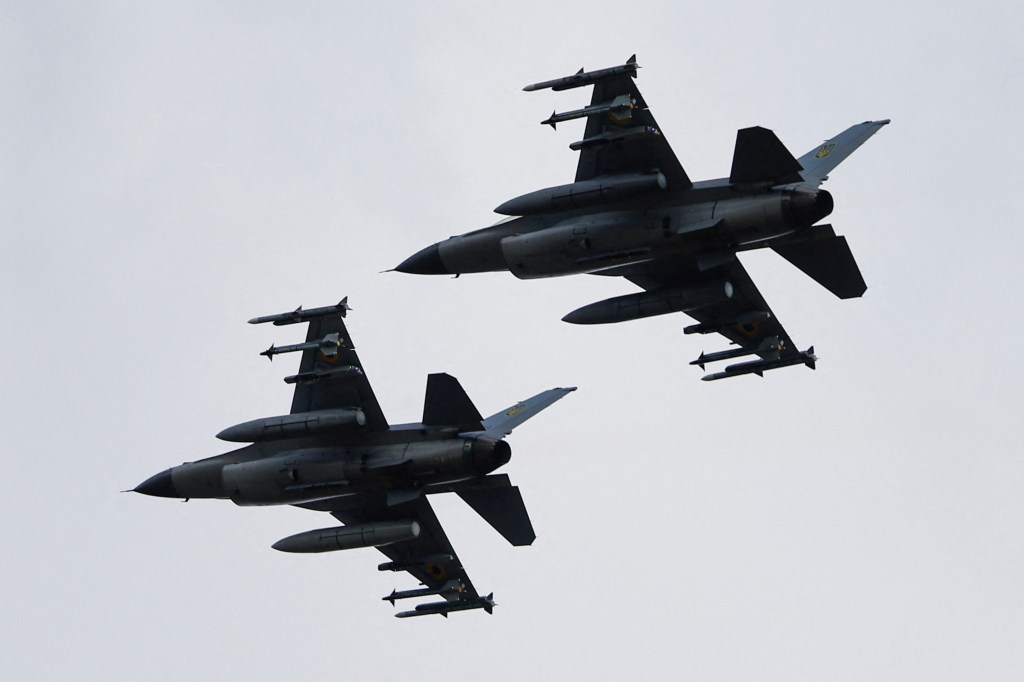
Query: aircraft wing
{"x": 745, "y": 318}
{"x": 630, "y": 153}
{"x": 429, "y": 557}
{"x": 327, "y": 382}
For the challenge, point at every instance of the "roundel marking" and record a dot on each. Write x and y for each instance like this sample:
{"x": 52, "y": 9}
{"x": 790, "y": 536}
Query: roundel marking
{"x": 749, "y": 330}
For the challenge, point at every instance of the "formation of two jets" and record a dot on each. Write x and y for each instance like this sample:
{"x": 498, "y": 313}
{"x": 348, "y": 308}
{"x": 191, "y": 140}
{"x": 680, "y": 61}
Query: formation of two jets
{"x": 631, "y": 212}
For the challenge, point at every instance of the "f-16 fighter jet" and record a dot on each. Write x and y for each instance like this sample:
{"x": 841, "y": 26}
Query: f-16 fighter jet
{"x": 633, "y": 212}
{"x": 335, "y": 452}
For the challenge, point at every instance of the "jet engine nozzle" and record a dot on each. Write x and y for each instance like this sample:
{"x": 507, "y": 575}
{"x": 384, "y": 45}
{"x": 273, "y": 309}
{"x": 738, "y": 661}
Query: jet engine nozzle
{"x": 807, "y": 205}
{"x": 488, "y": 454}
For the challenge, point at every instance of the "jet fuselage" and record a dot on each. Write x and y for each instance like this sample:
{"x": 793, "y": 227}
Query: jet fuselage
{"x": 406, "y": 457}
{"x": 713, "y": 216}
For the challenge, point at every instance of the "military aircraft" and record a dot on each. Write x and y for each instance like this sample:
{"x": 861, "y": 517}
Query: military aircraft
{"x": 633, "y": 212}
{"x": 335, "y": 452}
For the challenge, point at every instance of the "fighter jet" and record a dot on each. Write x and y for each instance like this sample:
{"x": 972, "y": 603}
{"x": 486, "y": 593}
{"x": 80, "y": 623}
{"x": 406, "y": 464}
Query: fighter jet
{"x": 633, "y": 212}
{"x": 335, "y": 452}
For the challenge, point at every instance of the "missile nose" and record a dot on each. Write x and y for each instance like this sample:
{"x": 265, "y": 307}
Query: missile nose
{"x": 159, "y": 485}
{"x": 424, "y": 262}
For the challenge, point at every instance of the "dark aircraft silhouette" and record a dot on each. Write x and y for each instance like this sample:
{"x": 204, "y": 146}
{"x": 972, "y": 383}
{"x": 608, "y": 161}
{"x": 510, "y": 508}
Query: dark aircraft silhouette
{"x": 335, "y": 452}
{"x": 633, "y": 212}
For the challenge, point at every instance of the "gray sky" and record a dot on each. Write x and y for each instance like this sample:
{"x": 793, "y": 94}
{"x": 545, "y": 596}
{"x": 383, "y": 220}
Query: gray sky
{"x": 170, "y": 170}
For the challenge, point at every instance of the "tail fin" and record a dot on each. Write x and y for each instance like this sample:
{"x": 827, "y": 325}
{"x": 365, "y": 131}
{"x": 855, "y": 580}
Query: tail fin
{"x": 501, "y": 424}
{"x": 827, "y": 260}
{"x": 501, "y": 505}
{"x": 446, "y": 404}
{"x": 821, "y": 160}
{"x": 759, "y": 156}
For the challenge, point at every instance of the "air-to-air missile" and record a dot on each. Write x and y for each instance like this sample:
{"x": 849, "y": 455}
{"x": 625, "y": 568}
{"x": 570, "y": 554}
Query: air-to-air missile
{"x": 300, "y": 315}
{"x": 328, "y": 345}
{"x": 450, "y": 588}
{"x": 759, "y": 367}
{"x": 443, "y": 608}
{"x": 768, "y": 350}
{"x": 619, "y": 109}
{"x": 581, "y": 77}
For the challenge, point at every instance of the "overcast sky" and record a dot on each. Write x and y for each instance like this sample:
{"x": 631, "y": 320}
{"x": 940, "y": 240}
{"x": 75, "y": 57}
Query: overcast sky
{"x": 171, "y": 170}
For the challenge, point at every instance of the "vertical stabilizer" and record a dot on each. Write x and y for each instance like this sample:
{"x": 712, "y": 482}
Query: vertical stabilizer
{"x": 759, "y": 156}
{"x": 446, "y": 404}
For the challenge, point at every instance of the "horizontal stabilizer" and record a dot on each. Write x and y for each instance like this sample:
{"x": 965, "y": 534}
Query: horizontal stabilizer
{"x": 760, "y": 157}
{"x": 821, "y": 160}
{"x": 446, "y": 404}
{"x": 503, "y": 508}
{"x": 501, "y": 424}
{"x": 828, "y": 262}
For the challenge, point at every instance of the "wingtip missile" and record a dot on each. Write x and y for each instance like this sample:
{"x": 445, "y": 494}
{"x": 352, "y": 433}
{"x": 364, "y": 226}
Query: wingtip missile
{"x": 443, "y": 608}
{"x": 759, "y": 367}
{"x": 582, "y": 78}
{"x": 299, "y": 315}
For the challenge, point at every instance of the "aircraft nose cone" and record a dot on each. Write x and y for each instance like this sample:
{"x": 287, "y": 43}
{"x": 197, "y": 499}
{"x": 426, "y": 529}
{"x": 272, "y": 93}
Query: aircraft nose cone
{"x": 424, "y": 262}
{"x": 159, "y": 485}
